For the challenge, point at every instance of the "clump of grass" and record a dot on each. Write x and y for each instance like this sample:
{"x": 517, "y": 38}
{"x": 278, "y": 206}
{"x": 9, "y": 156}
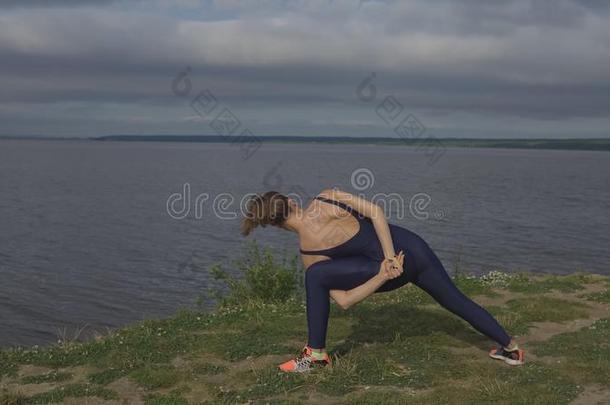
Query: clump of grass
{"x": 172, "y": 398}
{"x": 156, "y": 376}
{"x": 260, "y": 279}
{"x": 518, "y": 315}
{"x": 584, "y": 354}
{"x": 409, "y": 295}
{"x": 267, "y": 381}
{"x": 373, "y": 324}
{"x": 105, "y": 377}
{"x": 263, "y": 382}
{"x": 11, "y": 398}
{"x": 205, "y": 368}
{"x": 72, "y": 391}
{"x": 149, "y": 342}
{"x": 378, "y": 397}
{"x": 569, "y": 283}
{"x": 8, "y": 365}
{"x": 537, "y": 384}
{"x": 53, "y": 376}
{"x": 253, "y": 340}
{"x": 472, "y": 285}
{"x": 602, "y": 296}
{"x": 415, "y": 362}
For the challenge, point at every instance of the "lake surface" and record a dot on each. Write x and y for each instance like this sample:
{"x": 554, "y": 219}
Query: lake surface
{"x": 87, "y": 240}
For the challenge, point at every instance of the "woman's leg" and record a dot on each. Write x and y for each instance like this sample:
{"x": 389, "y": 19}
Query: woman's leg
{"x": 337, "y": 274}
{"x": 341, "y": 273}
{"x": 432, "y": 278}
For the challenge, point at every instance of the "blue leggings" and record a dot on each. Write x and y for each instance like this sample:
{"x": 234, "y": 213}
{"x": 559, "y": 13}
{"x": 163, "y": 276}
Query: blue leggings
{"x": 422, "y": 268}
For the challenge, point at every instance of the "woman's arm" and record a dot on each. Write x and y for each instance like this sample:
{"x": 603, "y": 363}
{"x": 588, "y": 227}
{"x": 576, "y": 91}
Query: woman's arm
{"x": 369, "y": 209}
{"x": 346, "y": 299}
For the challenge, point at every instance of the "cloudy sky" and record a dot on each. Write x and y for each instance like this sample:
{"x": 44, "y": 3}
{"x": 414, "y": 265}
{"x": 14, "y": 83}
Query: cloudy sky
{"x": 470, "y": 68}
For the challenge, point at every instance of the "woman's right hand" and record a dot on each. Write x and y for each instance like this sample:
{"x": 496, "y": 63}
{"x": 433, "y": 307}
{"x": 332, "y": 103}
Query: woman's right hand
{"x": 395, "y": 262}
{"x": 388, "y": 270}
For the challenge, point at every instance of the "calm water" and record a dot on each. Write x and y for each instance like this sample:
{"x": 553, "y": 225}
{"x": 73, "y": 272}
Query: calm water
{"x": 86, "y": 239}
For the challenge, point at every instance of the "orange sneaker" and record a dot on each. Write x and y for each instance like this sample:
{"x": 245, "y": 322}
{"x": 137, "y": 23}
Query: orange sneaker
{"x": 514, "y": 357}
{"x": 304, "y": 362}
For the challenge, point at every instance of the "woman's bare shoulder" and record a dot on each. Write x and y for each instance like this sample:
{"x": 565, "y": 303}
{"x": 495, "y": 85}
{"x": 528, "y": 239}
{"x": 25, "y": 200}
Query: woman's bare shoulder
{"x": 337, "y": 194}
{"x": 330, "y": 193}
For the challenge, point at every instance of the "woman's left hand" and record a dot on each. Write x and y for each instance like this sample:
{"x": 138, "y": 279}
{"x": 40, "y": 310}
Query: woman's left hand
{"x": 387, "y": 270}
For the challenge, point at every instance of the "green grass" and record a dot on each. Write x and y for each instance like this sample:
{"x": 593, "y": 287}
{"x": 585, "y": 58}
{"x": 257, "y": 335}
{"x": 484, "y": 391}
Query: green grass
{"x": 396, "y": 347}
{"x": 205, "y": 368}
{"x": 8, "y": 365}
{"x": 168, "y": 399}
{"x": 72, "y": 391}
{"x": 156, "y": 376}
{"x": 11, "y": 398}
{"x": 585, "y": 354}
{"x": 390, "y": 371}
{"x": 527, "y": 284}
{"x": 106, "y": 377}
{"x": 602, "y": 296}
{"x": 532, "y": 383}
{"x": 471, "y": 285}
{"x": 53, "y": 376}
{"x": 518, "y": 315}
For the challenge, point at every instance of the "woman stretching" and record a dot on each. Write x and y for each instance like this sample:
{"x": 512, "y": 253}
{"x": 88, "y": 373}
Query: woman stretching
{"x": 349, "y": 251}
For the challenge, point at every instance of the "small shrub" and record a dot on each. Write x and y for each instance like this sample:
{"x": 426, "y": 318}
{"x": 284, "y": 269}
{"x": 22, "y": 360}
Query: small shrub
{"x": 260, "y": 278}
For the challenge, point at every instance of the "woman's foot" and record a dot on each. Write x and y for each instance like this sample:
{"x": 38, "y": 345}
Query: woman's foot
{"x": 514, "y": 357}
{"x": 305, "y": 361}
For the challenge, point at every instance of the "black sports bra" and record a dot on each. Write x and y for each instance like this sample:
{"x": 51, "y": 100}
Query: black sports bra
{"x": 356, "y": 214}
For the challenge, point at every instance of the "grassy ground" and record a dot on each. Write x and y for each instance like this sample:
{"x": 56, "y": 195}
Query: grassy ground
{"x": 397, "y": 347}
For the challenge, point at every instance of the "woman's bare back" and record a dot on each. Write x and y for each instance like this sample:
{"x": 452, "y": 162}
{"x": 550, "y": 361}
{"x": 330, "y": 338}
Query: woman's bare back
{"x": 327, "y": 226}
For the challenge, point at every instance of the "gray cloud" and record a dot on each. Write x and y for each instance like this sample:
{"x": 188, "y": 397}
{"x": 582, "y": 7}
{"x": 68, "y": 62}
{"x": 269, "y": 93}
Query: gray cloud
{"x": 534, "y": 62}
